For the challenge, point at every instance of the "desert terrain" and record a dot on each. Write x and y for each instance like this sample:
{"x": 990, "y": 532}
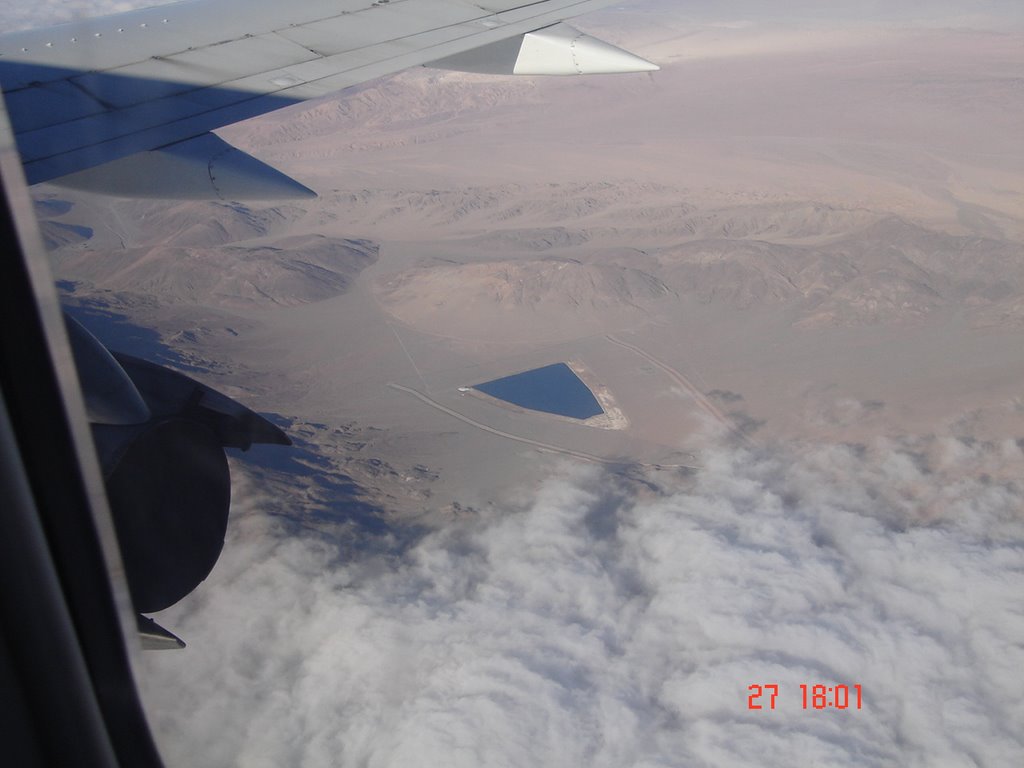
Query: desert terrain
{"x": 790, "y": 266}
{"x": 773, "y": 239}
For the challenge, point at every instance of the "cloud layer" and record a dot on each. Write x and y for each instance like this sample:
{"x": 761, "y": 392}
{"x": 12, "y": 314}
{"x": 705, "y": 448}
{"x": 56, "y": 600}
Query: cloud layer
{"x": 592, "y": 627}
{"x": 19, "y": 14}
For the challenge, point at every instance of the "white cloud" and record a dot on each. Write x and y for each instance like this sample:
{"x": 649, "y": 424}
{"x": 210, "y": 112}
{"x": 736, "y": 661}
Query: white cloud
{"x": 19, "y": 14}
{"x": 592, "y": 628}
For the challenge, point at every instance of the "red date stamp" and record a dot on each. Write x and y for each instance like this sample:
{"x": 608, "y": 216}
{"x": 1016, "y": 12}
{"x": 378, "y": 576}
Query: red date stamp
{"x": 819, "y": 696}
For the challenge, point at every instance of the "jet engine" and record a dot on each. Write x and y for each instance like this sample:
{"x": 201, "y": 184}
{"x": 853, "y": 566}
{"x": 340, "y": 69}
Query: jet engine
{"x": 160, "y": 437}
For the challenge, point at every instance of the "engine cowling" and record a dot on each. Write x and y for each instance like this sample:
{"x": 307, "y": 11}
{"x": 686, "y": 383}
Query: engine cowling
{"x": 165, "y": 470}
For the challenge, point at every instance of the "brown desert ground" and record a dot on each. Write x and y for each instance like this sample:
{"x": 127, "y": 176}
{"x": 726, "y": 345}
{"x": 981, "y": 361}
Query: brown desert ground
{"x": 776, "y": 237}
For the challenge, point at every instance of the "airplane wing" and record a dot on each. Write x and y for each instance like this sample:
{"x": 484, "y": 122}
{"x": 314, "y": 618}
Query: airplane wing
{"x": 139, "y": 93}
{"x": 126, "y": 105}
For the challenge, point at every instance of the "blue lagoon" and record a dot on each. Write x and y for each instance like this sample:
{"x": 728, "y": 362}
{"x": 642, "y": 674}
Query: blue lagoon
{"x": 551, "y": 389}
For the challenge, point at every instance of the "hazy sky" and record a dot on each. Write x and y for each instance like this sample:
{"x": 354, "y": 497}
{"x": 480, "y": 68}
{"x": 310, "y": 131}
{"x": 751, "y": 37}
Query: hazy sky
{"x": 18, "y": 14}
{"x": 867, "y": 10}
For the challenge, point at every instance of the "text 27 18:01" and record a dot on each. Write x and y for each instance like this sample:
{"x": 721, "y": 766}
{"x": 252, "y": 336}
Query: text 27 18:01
{"x": 814, "y": 696}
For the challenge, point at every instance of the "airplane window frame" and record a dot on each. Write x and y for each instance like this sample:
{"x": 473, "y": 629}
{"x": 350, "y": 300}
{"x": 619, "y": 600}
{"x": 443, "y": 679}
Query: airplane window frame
{"x": 69, "y": 695}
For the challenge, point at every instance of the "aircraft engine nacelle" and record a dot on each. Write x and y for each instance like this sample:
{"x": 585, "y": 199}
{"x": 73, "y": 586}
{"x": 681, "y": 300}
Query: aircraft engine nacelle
{"x": 169, "y": 489}
{"x": 160, "y": 437}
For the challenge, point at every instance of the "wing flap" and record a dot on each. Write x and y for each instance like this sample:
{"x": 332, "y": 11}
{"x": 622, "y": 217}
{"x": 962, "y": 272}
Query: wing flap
{"x": 213, "y": 65}
{"x": 382, "y": 24}
{"x": 500, "y": 6}
{"x": 33, "y": 106}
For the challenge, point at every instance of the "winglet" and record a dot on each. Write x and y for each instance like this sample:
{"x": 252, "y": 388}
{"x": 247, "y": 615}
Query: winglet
{"x": 555, "y": 50}
{"x": 562, "y": 50}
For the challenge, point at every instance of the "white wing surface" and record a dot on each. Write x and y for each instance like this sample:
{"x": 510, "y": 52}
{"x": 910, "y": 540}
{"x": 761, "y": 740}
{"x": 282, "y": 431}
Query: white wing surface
{"x": 157, "y": 81}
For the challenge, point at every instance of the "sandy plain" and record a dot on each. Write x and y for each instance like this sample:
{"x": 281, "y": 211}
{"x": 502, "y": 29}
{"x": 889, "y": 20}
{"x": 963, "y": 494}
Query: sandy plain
{"x": 773, "y": 238}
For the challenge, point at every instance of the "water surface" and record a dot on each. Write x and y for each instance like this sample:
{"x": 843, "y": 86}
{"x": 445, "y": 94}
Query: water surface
{"x": 551, "y": 389}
